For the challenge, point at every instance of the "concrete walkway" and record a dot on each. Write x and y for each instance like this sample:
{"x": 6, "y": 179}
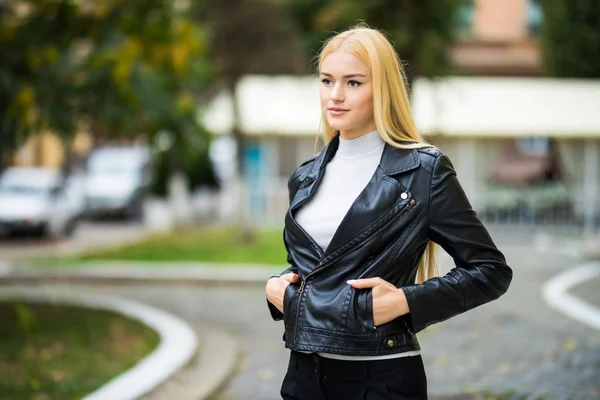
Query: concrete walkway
{"x": 88, "y": 236}
{"x": 588, "y": 292}
{"x": 516, "y": 344}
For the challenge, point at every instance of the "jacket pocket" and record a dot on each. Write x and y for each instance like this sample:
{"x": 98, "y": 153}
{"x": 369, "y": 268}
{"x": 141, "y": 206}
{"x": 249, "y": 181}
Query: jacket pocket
{"x": 364, "y": 308}
{"x": 290, "y": 297}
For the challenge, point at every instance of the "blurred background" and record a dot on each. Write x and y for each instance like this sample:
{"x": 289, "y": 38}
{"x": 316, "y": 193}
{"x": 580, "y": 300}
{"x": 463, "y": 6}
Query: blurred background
{"x": 166, "y": 130}
{"x": 178, "y": 112}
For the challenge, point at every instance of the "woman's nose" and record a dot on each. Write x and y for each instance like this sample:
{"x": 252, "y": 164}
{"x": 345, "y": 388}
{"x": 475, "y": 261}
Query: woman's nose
{"x": 337, "y": 93}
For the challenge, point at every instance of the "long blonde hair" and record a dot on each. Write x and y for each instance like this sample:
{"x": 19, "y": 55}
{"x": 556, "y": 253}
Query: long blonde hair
{"x": 392, "y": 111}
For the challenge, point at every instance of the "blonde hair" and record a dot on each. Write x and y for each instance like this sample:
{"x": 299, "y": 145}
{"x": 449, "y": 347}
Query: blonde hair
{"x": 391, "y": 106}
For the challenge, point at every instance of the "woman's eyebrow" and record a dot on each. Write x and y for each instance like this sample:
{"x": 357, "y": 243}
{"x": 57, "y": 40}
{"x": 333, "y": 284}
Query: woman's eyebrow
{"x": 345, "y": 76}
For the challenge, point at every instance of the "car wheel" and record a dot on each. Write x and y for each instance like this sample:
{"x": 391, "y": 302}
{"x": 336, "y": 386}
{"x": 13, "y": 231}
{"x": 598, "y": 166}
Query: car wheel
{"x": 42, "y": 231}
{"x": 133, "y": 213}
{"x": 70, "y": 227}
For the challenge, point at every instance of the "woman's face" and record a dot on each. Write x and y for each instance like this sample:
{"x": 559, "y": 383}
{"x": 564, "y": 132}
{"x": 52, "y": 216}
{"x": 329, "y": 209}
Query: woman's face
{"x": 347, "y": 94}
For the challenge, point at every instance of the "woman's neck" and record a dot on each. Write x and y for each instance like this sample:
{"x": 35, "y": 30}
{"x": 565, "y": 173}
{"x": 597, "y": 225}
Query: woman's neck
{"x": 360, "y": 146}
{"x": 356, "y": 133}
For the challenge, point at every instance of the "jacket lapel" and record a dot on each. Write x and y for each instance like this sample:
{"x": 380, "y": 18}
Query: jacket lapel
{"x": 306, "y": 186}
{"x": 381, "y": 194}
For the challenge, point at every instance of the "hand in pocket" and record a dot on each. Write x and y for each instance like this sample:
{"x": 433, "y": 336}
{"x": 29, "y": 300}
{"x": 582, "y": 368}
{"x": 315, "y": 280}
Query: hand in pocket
{"x": 389, "y": 302}
{"x": 275, "y": 289}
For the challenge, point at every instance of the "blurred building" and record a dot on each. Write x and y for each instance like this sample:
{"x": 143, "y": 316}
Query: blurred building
{"x": 498, "y": 38}
{"x": 526, "y": 148}
{"x": 47, "y": 150}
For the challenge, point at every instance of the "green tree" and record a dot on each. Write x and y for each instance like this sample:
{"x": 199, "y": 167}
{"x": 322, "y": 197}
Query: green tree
{"x": 121, "y": 68}
{"x": 570, "y": 38}
{"x": 421, "y": 30}
{"x": 36, "y": 85}
{"x": 250, "y": 37}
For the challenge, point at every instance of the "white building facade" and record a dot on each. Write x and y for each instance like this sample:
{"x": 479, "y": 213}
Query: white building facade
{"x": 525, "y": 149}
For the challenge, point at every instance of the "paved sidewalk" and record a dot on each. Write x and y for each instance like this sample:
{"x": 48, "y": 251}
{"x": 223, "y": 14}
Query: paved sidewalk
{"x": 588, "y": 291}
{"x": 88, "y": 236}
{"x": 516, "y": 344}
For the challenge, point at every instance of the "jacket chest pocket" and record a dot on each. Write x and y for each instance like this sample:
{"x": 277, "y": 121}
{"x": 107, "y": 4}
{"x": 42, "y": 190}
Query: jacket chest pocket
{"x": 401, "y": 225}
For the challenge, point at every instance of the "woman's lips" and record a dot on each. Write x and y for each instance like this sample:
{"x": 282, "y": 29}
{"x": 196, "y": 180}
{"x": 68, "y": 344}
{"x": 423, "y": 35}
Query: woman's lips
{"x": 337, "y": 111}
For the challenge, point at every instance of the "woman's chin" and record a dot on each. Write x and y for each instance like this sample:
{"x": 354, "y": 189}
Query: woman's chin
{"x": 337, "y": 126}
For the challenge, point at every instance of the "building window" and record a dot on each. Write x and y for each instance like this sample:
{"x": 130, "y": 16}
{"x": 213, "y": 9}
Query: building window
{"x": 534, "y": 17}
{"x": 465, "y": 19}
{"x": 534, "y": 146}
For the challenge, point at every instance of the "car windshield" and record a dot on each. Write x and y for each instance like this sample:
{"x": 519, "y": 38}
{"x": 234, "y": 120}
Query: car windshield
{"x": 23, "y": 190}
{"x": 113, "y": 170}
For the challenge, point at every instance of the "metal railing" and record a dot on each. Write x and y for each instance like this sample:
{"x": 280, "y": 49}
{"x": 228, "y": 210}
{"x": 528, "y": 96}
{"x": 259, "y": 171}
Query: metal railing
{"x": 550, "y": 208}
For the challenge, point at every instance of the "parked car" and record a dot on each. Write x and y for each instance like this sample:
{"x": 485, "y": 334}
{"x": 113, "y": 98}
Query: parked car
{"x": 37, "y": 200}
{"x": 116, "y": 181}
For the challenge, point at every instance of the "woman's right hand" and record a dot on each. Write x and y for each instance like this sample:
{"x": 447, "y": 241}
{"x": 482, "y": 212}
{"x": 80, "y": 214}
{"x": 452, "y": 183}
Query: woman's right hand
{"x": 276, "y": 288}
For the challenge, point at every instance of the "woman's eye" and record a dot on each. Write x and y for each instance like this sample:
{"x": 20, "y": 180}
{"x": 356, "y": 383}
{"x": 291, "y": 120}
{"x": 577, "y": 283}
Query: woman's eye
{"x": 354, "y": 83}
{"x": 326, "y": 81}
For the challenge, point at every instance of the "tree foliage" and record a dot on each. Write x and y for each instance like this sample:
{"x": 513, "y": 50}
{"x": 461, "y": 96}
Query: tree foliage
{"x": 119, "y": 68}
{"x": 250, "y": 37}
{"x": 421, "y": 30}
{"x": 570, "y": 38}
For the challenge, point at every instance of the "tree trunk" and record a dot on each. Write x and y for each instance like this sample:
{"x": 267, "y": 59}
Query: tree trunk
{"x": 178, "y": 194}
{"x": 247, "y": 231}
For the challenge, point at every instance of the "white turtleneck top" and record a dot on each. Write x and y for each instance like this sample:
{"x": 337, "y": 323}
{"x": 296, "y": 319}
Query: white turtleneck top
{"x": 346, "y": 175}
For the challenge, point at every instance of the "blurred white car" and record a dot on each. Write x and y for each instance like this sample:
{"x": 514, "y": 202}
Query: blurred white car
{"x": 37, "y": 200}
{"x": 116, "y": 181}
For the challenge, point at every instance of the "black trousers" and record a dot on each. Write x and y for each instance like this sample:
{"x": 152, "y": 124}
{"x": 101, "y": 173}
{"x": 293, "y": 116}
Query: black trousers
{"x": 312, "y": 377}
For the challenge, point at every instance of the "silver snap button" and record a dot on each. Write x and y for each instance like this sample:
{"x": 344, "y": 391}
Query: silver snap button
{"x": 404, "y": 196}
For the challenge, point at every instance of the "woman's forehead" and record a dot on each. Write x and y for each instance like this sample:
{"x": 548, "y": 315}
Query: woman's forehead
{"x": 341, "y": 63}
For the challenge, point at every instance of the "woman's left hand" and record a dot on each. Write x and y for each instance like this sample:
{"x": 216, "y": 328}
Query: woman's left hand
{"x": 389, "y": 302}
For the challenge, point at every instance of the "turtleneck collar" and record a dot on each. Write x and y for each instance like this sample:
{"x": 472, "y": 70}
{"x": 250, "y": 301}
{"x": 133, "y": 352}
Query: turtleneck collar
{"x": 360, "y": 146}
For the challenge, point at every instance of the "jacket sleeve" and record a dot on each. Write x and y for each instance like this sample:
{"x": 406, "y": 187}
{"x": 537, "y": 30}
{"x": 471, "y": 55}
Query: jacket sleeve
{"x": 480, "y": 274}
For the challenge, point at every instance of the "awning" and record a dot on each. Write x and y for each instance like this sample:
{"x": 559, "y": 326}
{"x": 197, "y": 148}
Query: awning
{"x": 453, "y": 106}
{"x": 507, "y": 107}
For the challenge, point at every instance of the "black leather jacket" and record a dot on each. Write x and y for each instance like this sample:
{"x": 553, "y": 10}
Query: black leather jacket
{"x": 413, "y": 197}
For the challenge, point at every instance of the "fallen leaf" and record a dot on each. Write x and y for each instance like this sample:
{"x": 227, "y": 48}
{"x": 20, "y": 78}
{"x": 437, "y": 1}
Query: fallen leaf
{"x": 570, "y": 344}
{"x": 504, "y": 368}
{"x": 265, "y": 374}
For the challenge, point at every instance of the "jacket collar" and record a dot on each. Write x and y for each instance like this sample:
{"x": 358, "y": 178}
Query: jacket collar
{"x": 394, "y": 160}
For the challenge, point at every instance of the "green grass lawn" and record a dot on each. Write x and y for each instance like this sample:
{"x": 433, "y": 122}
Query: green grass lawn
{"x": 221, "y": 245}
{"x": 62, "y": 352}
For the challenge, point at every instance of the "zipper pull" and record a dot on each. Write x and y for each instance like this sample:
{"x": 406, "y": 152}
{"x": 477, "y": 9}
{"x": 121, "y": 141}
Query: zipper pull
{"x": 301, "y": 287}
{"x": 410, "y": 204}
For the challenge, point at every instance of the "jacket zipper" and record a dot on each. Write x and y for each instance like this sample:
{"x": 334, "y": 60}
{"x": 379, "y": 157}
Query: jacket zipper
{"x": 298, "y": 309}
{"x": 322, "y": 265}
{"x": 409, "y": 205}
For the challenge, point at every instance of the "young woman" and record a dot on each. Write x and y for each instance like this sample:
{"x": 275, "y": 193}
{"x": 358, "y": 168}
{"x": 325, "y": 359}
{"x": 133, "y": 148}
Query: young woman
{"x": 359, "y": 233}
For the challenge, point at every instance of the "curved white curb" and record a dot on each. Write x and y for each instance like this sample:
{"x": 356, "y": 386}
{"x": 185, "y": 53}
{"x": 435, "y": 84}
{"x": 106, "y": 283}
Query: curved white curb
{"x": 178, "y": 341}
{"x": 555, "y": 293}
